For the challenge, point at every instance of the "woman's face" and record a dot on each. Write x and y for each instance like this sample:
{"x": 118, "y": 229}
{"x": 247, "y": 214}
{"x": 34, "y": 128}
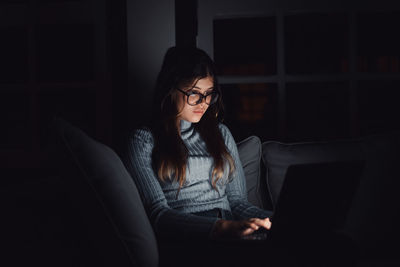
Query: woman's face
{"x": 194, "y": 113}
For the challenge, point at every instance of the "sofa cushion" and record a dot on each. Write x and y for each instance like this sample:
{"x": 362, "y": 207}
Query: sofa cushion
{"x": 250, "y": 156}
{"x": 106, "y": 195}
{"x": 277, "y": 157}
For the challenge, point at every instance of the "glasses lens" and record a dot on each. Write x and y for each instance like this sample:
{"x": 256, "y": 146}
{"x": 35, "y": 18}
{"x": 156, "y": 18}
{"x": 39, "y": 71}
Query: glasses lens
{"x": 212, "y": 98}
{"x": 193, "y": 98}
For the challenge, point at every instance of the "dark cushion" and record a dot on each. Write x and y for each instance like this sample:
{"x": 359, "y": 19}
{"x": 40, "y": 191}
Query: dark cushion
{"x": 277, "y": 157}
{"x": 106, "y": 195}
{"x": 250, "y": 156}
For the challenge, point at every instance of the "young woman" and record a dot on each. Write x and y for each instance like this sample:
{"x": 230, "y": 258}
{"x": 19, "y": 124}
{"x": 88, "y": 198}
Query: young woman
{"x": 186, "y": 164}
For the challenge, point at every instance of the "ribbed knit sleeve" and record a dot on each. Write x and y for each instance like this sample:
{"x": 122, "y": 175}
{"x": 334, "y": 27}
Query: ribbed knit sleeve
{"x": 165, "y": 220}
{"x": 236, "y": 189}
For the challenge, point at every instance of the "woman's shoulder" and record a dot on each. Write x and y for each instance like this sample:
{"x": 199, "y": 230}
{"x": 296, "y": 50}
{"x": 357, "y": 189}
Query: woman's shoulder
{"x": 142, "y": 135}
{"x": 226, "y": 133}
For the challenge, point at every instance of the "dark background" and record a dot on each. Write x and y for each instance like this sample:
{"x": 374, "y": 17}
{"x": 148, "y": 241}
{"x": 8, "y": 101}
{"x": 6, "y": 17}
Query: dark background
{"x": 94, "y": 63}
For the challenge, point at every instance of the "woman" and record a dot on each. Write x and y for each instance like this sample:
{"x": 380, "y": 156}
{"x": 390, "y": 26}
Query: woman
{"x": 186, "y": 164}
{"x": 191, "y": 181}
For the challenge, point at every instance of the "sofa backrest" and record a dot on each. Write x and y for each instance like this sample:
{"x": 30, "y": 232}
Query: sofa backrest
{"x": 107, "y": 198}
{"x": 277, "y": 158}
{"x": 249, "y": 151}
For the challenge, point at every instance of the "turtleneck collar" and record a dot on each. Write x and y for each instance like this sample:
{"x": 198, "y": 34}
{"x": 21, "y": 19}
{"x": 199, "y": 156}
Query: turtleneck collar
{"x": 185, "y": 125}
{"x": 186, "y": 129}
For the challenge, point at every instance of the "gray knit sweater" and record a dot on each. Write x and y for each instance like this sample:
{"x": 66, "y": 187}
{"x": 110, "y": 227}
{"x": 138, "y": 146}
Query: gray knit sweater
{"x": 171, "y": 214}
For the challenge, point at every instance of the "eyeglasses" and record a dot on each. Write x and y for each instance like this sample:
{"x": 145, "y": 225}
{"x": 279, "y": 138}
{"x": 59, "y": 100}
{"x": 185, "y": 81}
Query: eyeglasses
{"x": 195, "y": 98}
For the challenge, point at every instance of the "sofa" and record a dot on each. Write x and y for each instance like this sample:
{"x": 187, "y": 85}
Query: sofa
{"x": 117, "y": 231}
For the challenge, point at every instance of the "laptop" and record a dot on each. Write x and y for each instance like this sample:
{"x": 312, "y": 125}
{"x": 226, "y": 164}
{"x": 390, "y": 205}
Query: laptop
{"x": 314, "y": 197}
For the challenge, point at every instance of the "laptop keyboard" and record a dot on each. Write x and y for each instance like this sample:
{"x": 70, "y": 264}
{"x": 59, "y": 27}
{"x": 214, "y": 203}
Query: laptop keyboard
{"x": 260, "y": 234}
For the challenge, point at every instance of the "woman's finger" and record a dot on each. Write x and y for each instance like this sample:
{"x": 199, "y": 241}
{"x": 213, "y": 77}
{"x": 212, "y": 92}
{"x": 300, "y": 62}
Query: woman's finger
{"x": 257, "y": 221}
{"x": 247, "y": 231}
{"x": 266, "y": 223}
{"x": 251, "y": 225}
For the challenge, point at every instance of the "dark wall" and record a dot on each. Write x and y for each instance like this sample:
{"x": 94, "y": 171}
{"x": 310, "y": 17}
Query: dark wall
{"x": 150, "y": 32}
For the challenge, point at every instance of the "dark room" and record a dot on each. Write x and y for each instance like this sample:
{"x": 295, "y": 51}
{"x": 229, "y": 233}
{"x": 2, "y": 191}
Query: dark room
{"x": 298, "y": 136}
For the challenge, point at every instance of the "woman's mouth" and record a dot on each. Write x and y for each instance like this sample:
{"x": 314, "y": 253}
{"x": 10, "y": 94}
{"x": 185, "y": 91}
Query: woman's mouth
{"x": 198, "y": 111}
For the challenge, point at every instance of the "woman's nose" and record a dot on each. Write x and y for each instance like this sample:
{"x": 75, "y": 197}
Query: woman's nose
{"x": 203, "y": 103}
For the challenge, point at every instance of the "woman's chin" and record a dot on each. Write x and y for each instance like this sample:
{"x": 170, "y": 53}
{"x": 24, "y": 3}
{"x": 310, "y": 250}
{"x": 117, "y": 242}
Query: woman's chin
{"x": 194, "y": 119}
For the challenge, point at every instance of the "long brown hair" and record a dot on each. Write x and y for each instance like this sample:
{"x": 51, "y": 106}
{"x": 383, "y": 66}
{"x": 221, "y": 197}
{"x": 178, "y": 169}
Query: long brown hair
{"x": 183, "y": 67}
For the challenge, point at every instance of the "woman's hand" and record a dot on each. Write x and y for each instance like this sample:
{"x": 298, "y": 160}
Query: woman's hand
{"x": 225, "y": 228}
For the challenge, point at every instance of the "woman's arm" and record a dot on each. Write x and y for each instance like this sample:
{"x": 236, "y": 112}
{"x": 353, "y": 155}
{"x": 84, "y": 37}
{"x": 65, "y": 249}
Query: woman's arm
{"x": 165, "y": 221}
{"x": 236, "y": 189}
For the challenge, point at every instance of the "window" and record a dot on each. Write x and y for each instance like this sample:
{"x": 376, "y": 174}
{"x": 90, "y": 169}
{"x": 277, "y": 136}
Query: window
{"x": 317, "y": 111}
{"x": 378, "y": 106}
{"x": 316, "y": 43}
{"x": 297, "y": 76}
{"x": 251, "y": 108}
{"x": 238, "y": 51}
{"x": 378, "y": 43}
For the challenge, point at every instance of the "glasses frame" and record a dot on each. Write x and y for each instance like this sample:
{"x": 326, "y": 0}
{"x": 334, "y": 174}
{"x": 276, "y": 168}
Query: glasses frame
{"x": 201, "y": 97}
